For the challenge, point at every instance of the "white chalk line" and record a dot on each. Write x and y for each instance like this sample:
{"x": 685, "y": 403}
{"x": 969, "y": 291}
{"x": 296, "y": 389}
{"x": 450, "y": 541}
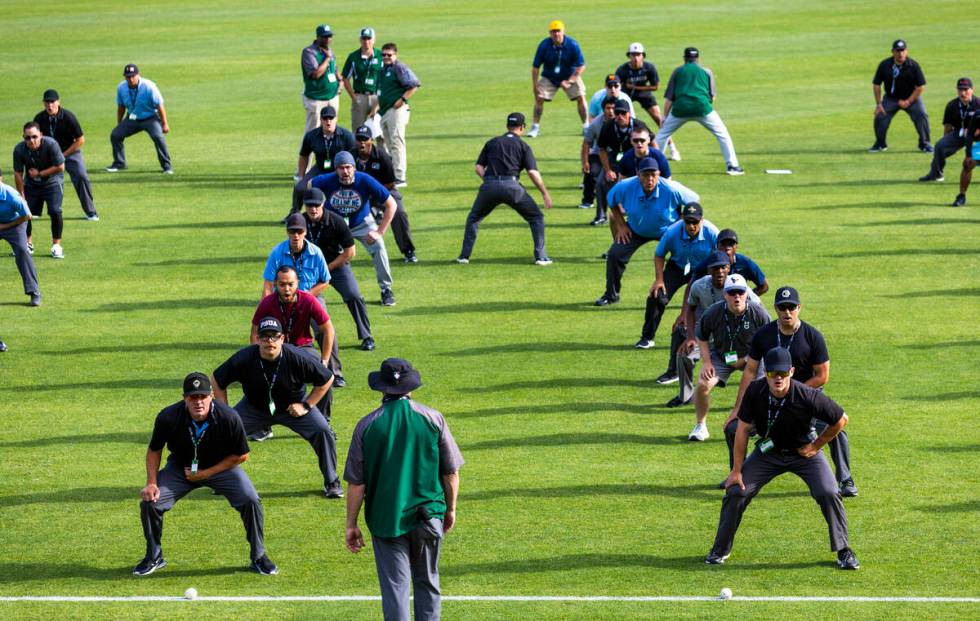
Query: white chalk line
{"x": 488, "y": 598}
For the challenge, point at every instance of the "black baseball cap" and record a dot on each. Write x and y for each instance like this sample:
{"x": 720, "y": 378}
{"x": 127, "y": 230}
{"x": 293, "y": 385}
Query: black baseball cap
{"x": 323, "y": 31}
{"x": 786, "y": 295}
{"x": 778, "y": 359}
{"x": 130, "y": 70}
{"x": 691, "y": 52}
{"x": 727, "y": 235}
{"x": 197, "y": 384}
{"x": 296, "y": 220}
{"x": 962, "y": 84}
{"x": 328, "y": 112}
{"x": 396, "y": 377}
{"x": 718, "y": 259}
{"x": 647, "y": 164}
{"x": 364, "y": 133}
{"x": 899, "y": 44}
{"x": 622, "y": 105}
{"x": 269, "y": 324}
{"x": 313, "y": 196}
{"x": 515, "y": 119}
{"x": 52, "y": 95}
{"x": 693, "y": 212}
{"x": 612, "y": 80}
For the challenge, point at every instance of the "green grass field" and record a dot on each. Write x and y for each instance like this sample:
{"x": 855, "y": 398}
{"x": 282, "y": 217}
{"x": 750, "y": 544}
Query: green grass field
{"x": 578, "y": 481}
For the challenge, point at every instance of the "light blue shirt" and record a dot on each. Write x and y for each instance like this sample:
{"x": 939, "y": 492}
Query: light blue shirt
{"x": 595, "y": 103}
{"x": 311, "y": 267}
{"x": 649, "y": 215}
{"x": 685, "y": 251}
{"x": 12, "y": 206}
{"x": 142, "y": 101}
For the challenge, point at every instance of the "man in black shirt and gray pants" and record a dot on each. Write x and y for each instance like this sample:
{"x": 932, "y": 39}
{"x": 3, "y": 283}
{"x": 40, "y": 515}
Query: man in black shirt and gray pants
{"x": 956, "y": 123}
{"x": 779, "y": 409}
{"x": 902, "y": 80}
{"x": 499, "y": 165}
{"x": 60, "y": 124}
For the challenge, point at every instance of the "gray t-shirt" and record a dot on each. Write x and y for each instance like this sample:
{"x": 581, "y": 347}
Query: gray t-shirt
{"x": 726, "y": 332}
{"x": 47, "y": 155}
{"x": 703, "y": 295}
{"x": 591, "y": 133}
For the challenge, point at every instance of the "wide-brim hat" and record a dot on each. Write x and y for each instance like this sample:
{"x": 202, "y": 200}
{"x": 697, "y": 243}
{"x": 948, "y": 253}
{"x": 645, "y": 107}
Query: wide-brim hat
{"x": 396, "y": 377}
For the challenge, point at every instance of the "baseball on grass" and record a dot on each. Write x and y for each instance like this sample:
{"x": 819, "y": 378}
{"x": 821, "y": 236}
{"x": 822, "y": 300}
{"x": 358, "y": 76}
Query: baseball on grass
{"x": 726, "y": 593}
{"x": 191, "y": 593}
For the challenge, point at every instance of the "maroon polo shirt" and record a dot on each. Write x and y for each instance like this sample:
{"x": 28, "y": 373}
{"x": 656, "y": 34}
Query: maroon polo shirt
{"x": 294, "y": 317}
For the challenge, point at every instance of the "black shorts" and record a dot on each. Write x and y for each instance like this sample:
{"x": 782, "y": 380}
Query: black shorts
{"x": 646, "y": 100}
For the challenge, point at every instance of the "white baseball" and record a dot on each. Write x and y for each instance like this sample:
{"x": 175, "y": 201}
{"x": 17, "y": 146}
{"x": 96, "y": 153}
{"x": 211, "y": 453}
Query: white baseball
{"x": 726, "y": 593}
{"x": 191, "y": 593}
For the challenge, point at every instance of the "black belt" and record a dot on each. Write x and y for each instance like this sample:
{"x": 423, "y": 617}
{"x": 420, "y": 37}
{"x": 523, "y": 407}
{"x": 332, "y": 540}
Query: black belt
{"x": 499, "y": 178}
{"x": 363, "y": 93}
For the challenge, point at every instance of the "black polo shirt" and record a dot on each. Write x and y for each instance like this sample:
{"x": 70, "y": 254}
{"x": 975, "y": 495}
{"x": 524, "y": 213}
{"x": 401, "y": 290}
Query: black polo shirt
{"x": 727, "y": 332}
{"x": 378, "y": 165}
{"x": 287, "y": 376}
{"x": 958, "y": 115}
{"x": 45, "y": 156}
{"x": 806, "y": 346}
{"x": 909, "y": 77}
{"x": 326, "y": 148}
{"x": 63, "y": 127}
{"x": 646, "y": 75}
{"x": 223, "y": 436}
{"x": 790, "y": 415}
{"x": 506, "y": 156}
{"x": 331, "y": 234}
{"x": 616, "y": 140}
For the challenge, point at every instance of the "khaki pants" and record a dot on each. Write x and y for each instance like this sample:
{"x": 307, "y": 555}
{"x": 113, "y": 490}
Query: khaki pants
{"x": 547, "y": 91}
{"x": 362, "y": 107}
{"x": 313, "y": 107}
{"x": 393, "y": 124}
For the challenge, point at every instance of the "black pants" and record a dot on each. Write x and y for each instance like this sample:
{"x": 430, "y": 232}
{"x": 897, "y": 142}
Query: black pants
{"x": 512, "y": 194}
{"x": 400, "y": 226}
{"x": 917, "y": 111}
{"x": 590, "y": 179}
{"x": 840, "y": 448}
{"x": 618, "y": 257}
{"x": 52, "y": 195}
{"x": 759, "y": 469}
{"x": 674, "y": 279}
{"x": 233, "y": 484}
{"x": 945, "y": 147}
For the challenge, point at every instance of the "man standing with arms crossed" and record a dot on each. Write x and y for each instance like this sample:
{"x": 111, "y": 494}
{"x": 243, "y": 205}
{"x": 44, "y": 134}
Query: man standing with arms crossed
{"x": 396, "y": 85}
{"x": 563, "y": 67}
{"x": 59, "y": 123}
{"x": 403, "y": 464}
{"x": 361, "y": 72}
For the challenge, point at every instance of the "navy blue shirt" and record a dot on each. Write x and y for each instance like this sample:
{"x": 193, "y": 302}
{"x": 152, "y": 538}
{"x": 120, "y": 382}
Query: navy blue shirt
{"x": 353, "y": 201}
{"x": 326, "y": 148}
{"x": 743, "y": 266}
{"x": 559, "y": 61}
{"x": 627, "y": 165}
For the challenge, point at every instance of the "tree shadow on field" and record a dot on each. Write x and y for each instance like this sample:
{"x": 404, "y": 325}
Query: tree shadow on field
{"x": 120, "y": 437}
{"x": 205, "y": 261}
{"x": 570, "y": 439}
{"x": 944, "y": 396}
{"x": 860, "y": 183}
{"x": 708, "y": 492}
{"x": 149, "y": 384}
{"x": 916, "y": 222}
{"x": 967, "y": 506}
{"x": 197, "y": 226}
{"x": 557, "y": 408}
{"x": 154, "y": 305}
{"x": 76, "y": 495}
{"x": 906, "y": 252}
{"x": 958, "y": 448}
{"x": 36, "y": 572}
{"x": 938, "y": 293}
{"x": 154, "y": 348}
{"x": 499, "y": 307}
{"x": 941, "y": 345}
{"x": 866, "y": 206}
{"x": 535, "y": 347}
{"x": 587, "y": 383}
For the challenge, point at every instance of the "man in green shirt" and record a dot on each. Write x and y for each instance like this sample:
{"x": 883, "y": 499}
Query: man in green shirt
{"x": 321, "y": 82}
{"x": 689, "y": 95}
{"x": 361, "y": 71}
{"x": 396, "y": 85}
{"x": 403, "y": 464}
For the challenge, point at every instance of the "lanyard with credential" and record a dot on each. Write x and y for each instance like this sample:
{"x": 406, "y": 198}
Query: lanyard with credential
{"x": 133, "y": 95}
{"x": 779, "y": 340}
{"x": 271, "y": 382}
{"x": 292, "y": 312}
{"x": 772, "y": 417}
{"x": 728, "y": 328}
{"x": 197, "y": 434}
{"x": 896, "y": 70}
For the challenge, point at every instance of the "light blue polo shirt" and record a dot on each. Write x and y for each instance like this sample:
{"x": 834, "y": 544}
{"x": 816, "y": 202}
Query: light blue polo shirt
{"x": 649, "y": 215}
{"x": 12, "y": 206}
{"x": 595, "y": 102}
{"x": 311, "y": 267}
{"x": 684, "y": 250}
{"x": 142, "y": 101}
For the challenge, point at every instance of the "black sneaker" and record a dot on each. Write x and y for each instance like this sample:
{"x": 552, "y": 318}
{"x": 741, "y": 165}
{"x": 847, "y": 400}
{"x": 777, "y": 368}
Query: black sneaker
{"x": 667, "y": 378}
{"x": 261, "y": 435}
{"x": 607, "y": 299}
{"x": 848, "y": 489}
{"x": 715, "y": 559}
{"x": 387, "y": 297}
{"x": 927, "y": 148}
{"x": 264, "y": 566}
{"x": 734, "y": 171}
{"x": 847, "y": 560}
{"x": 644, "y": 344}
{"x": 676, "y": 402}
{"x": 411, "y": 258}
{"x": 367, "y": 344}
{"x": 149, "y": 565}
{"x": 338, "y": 381}
{"x": 877, "y": 148}
{"x": 931, "y": 177}
{"x": 334, "y": 490}
{"x": 598, "y": 221}
{"x": 960, "y": 200}
{"x": 3, "y": 347}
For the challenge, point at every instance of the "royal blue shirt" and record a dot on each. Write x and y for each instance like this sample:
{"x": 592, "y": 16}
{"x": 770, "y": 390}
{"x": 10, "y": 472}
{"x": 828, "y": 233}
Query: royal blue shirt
{"x": 743, "y": 266}
{"x": 627, "y": 165}
{"x": 141, "y": 101}
{"x": 352, "y": 202}
{"x": 311, "y": 266}
{"x": 684, "y": 250}
{"x": 649, "y": 215}
{"x": 559, "y": 61}
{"x": 12, "y": 206}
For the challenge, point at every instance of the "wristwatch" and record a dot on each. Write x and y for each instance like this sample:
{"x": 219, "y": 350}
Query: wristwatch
{"x": 307, "y": 405}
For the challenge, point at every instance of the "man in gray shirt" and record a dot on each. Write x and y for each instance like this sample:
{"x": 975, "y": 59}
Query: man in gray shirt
{"x": 724, "y": 334}
{"x": 39, "y": 172}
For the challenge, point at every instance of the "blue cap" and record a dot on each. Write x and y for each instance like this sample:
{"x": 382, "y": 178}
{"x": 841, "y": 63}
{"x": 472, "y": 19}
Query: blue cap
{"x": 343, "y": 158}
{"x": 718, "y": 259}
{"x": 647, "y": 164}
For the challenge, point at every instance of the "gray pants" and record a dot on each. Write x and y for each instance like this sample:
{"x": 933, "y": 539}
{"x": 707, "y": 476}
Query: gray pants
{"x": 75, "y": 167}
{"x": 378, "y": 252}
{"x": 233, "y": 484}
{"x": 947, "y": 146}
{"x": 759, "y": 469}
{"x": 840, "y": 448}
{"x": 52, "y": 195}
{"x": 412, "y": 558}
{"x": 711, "y": 122}
{"x": 313, "y": 428}
{"x": 685, "y": 370}
{"x": 512, "y": 194}
{"x": 17, "y": 238}
{"x": 602, "y": 187}
{"x": 919, "y": 118}
{"x": 127, "y": 128}
{"x": 343, "y": 281}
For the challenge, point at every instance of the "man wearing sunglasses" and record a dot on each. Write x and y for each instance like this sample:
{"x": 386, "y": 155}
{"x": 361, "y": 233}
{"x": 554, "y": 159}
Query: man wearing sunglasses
{"x": 780, "y": 409}
{"x": 39, "y": 172}
{"x": 724, "y": 335}
{"x": 591, "y": 166}
{"x": 324, "y": 142}
{"x": 396, "y": 85}
{"x": 640, "y": 78}
{"x": 811, "y": 364}
{"x": 897, "y": 85}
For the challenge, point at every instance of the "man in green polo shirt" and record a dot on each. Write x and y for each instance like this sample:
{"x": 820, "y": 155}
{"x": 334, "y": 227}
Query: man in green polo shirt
{"x": 396, "y": 85}
{"x": 361, "y": 71}
{"x": 321, "y": 82}
{"x": 403, "y": 464}
{"x": 689, "y": 95}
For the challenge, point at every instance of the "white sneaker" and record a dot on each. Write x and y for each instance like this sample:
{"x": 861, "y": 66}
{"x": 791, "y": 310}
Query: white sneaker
{"x": 57, "y": 252}
{"x": 543, "y": 261}
{"x": 675, "y": 153}
{"x": 585, "y": 205}
{"x": 699, "y": 433}
{"x": 533, "y": 133}
{"x": 462, "y": 260}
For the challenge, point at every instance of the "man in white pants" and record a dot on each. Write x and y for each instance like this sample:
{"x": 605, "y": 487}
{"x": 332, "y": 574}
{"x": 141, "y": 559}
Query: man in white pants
{"x": 396, "y": 85}
{"x": 689, "y": 95}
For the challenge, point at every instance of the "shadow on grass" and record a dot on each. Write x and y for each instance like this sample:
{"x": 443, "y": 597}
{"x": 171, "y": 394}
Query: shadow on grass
{"x": 967, "y": 506}
{"x": 942, "y": 344}
{"x": 500, "y": 307}
{"x": 916, "y": 222}
{"x": 938, "y": 293}
{"x": 945, "y": 396}
{"x": 205, "y": 261}
{"x": 197, "y": 226}
{"x": 520, "y": 348}
{"x": 196, "y": 304}
{"x": 866, "y": 206}
{"x": 960, "y": 448}
{"x": 121, "y": 437}
{"x": 172, "y": 384}
{"x": 569, "y": 439}
{"x": 588, "y": 383}
{"x": 906, "y": 252}
{"x": 154, "y": 348}
{"x": 685, "y": 492}
{"x": 557, "y": 408}
{"x": 37, "y": 572}
{"x": 485, "y": 226}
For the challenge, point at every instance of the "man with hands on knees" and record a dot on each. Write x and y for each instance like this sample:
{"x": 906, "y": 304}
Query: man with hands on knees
{"x": 207, "y": 445}
{"x": 779, "y": 408}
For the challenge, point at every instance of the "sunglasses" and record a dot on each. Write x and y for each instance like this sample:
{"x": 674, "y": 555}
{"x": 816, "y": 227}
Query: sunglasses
{"x": 270, "y": 337}
{"x": 736, "y": 293}
{"x": 780, "y": 374}
{"x": 786, "y": 307}
{"x": 639, "y": 141}
{"x": 622, "y": 112}
{"x": 387, "y": 55}
{"x": 296, "y": 231}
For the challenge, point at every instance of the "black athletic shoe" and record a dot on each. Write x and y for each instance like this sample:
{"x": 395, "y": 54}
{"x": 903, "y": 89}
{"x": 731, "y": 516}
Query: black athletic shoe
{"x": 338, "y": 381}
{"x": 847, "y": 560}
{"x": 261, "y": 435}
{"x": 877, "y": 148}
{"x": 715, "y": 559}
{"x": 149, "y": 565}
{"x": 676, "y": 402}
{"x": 264, "y": 566}
{"x": 960, "y": 200}
{"x": 598, "y": 221}
{"x": 848, "y": 489}
{"x": 926, "y": 148}
{"x": 411, "y": 258}
{"x": 334, "y": 490}
{"x": 387, "y": 297}
{"x": 644, "y": 344}
{"x": 931, "y": 177}
{"x": 367, "y": 344}
{"x": 3, "y": 346}
{"x": 607, "y": 299}
{"x": 667, "y": 378}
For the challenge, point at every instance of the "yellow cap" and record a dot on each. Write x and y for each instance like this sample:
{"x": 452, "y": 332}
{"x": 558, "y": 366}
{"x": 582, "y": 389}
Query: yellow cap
{"x": 556, "y": 25}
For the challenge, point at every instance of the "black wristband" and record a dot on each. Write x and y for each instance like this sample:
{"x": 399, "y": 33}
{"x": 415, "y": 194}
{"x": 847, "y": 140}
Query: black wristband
{"x": 307, "y": 405}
